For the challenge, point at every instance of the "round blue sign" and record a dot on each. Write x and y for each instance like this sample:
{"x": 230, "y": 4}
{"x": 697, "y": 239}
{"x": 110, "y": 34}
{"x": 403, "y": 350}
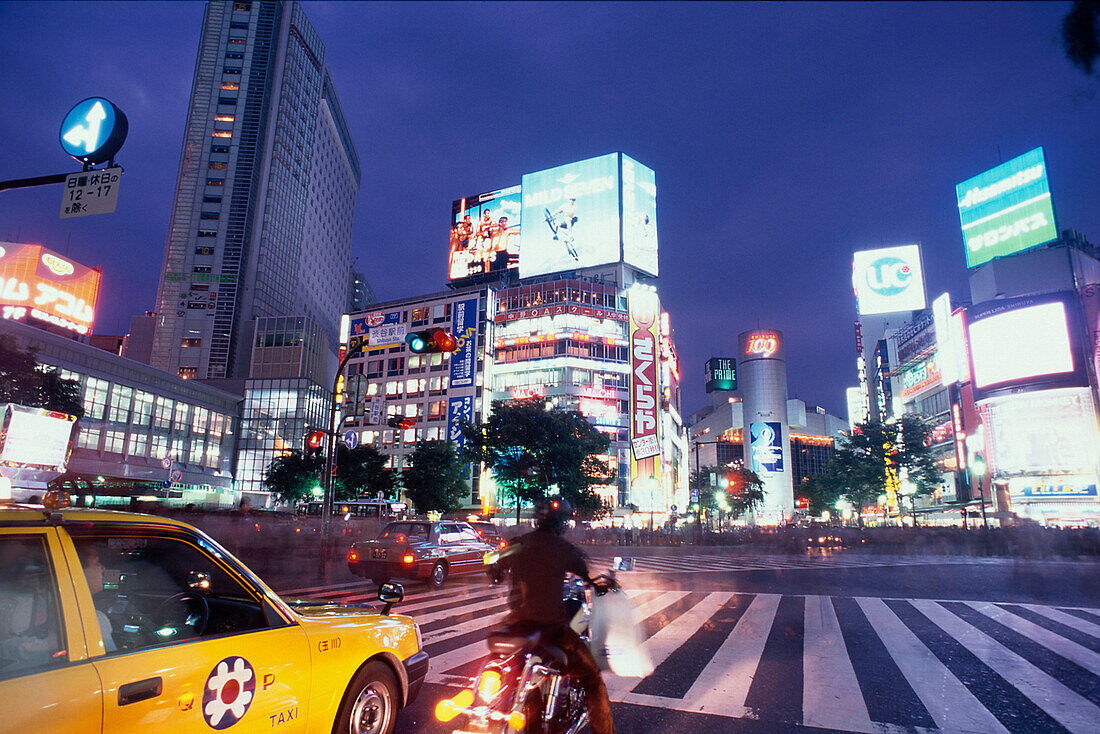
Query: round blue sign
{"x": 94, "y": 130}
{"x": 351, "y": 439}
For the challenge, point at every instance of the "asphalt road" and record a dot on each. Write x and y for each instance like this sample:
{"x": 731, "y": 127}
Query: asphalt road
{"x": 759, "y": 643}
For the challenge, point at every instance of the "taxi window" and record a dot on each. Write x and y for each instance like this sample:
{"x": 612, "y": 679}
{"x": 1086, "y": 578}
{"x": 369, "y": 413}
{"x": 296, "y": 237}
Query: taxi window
{"x": 30, "y": 629}
{"x": 467, "y": 534}
{"x": 150, "y": 591}
{"x": 410, "y": 531}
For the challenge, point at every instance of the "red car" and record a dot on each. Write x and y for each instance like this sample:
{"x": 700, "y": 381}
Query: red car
{"x": 488, "y": 532}
{"x": 420, "y": 550}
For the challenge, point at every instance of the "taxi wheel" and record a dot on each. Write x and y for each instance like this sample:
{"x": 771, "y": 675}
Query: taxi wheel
{"x": 370, "y": 704}
{"x": 437, "y": 575}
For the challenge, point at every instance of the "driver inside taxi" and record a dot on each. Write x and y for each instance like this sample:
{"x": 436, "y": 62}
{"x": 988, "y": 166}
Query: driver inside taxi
{"x": 93, "y": 572}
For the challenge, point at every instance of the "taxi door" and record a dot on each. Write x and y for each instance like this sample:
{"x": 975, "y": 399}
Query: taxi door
{"x": 184, "y": 665}
{"x": 47, "y": 682}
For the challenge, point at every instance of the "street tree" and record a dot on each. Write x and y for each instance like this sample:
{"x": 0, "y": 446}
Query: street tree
{"x": 24, "y": 381}
{"x": 1081, "y": 34}
{"x": 533, "y": 450}
{"x": 745, "y": 491}
{"x": 362, "y": 472}
{"x": 292, "y": 477}
{"x": 435, "y": 477}
{"x": 821, "y": 492}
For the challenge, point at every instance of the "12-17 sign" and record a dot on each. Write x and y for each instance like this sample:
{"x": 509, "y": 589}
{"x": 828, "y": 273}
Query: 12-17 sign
{"x": 90, "y": 192}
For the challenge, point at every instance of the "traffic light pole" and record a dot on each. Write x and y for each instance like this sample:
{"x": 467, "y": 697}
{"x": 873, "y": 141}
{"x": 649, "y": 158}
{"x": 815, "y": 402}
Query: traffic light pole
{"x": 330, "y": 464}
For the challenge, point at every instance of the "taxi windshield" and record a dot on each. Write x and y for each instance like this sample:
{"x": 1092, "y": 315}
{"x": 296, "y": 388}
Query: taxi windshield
{"x": 410, "y": 531}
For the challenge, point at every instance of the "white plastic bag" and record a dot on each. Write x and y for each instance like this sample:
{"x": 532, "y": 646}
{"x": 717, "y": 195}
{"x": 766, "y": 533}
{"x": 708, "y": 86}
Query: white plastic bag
{"x": 616, "y": 638}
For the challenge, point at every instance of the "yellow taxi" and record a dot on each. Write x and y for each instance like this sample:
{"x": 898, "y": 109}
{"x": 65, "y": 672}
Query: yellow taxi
{"x": 116, "y": 622}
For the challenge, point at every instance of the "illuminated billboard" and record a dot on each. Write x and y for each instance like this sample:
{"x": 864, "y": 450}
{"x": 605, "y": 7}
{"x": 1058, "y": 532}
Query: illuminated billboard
{"x": 485, "y": 234}
{"x": 571, "y": 217}
{"x": 376, "y": 330}
{"x": 35, "y": 437}
{"x": 1025, "y": 341}
{"x": 721, "y": 374}
{"x": 1006, "y": 209}
{"x": 888, "y": 280}
{"x": 639, "y": 216}
{"x": 645, "y": 454}
{"x": 38, "y": 285}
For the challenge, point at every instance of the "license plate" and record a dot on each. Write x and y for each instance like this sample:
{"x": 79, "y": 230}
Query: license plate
{"x": 378, "y": 554}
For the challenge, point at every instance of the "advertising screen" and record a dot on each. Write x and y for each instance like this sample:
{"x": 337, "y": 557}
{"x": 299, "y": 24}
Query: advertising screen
{"x": 376, "y": 330}
{"x": 41, "y": 286}
{"x": 1022, "y": 340}
{"x": 464, "y": 328}
{"x": 766, "y": 445}
{"x": 888, "y": 280}
{"x": 485, "y": 234}
{"x": 1046, "y": 432}
{"x": 639, "y": 216}
{"x": 571, "y": 217}
{"x": 645, "y": 441}
{"x": 35, "y": 437}
{"x": 1006, "y": 209}
{"x": 721, "y": 374}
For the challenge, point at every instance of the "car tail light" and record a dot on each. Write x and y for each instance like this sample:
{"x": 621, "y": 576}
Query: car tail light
{"x": 353, "y": 555}
{"x": 408, "y": 558}
{"x": 503, "y": 543}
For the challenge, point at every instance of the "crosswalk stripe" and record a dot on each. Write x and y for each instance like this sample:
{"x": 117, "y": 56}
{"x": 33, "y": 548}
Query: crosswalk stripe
{"x": 1059, "y": 702}
{"x": 442, "y": 661}
{"x": 1003, "y": 699}
{"x": 722, "y": 686}
{"x": 1075, "y": 677}
{"x": 831, "y": 697}
{"x": 1089, "y": 616}
{"x": 1070, "y": 632}
{"x": 1074, "y": 618}
{"x": 1084, "y": 657}
{"x": 950, "y": 704}
{"x": 669, "y": 638}
{"x": 782, "y": 656}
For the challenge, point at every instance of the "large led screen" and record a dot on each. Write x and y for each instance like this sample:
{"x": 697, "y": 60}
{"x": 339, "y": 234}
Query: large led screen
{"x": 571, "y": 217}
{"x": 1006, "y": 209}
{"x": 1022, "y": 340}
{"x": 888, "y": 280}
{"x": 42, "y": 286}
{"x": 485, "y": 234}
{"x": 35, "y": 437}
{"x": 639, "y": 216}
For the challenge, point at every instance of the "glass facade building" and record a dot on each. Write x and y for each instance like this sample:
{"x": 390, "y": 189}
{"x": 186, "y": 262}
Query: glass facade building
{"x": 262, "y": 216}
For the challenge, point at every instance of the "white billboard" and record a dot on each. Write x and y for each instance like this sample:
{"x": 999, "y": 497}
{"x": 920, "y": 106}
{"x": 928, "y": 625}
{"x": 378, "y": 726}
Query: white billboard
{"x": 35, "y": 437}
{"x": 888, "y": 280}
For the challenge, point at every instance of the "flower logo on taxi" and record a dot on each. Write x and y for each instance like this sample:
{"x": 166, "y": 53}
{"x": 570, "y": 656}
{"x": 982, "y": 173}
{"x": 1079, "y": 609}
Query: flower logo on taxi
{"x": 56, "y": 265}
{"x": 763, "y": 344}
{"x": 229, "y": 691}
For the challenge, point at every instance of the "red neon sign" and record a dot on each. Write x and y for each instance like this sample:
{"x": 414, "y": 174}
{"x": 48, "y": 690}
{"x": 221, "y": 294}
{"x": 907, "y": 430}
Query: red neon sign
{"x": 764, "y": 345}
{"x": 43, "y": 285}
{"x": 528, "y": 391}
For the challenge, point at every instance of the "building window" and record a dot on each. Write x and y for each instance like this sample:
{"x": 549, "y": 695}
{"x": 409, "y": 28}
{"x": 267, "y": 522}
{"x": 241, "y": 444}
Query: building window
{"x": 234, "y": 55}
{"x": 230, "y": 70}
{"x": 121, "y": 395}
{"x": 224, "y": 118}
{"x": 206, "y": 233}
{"x": 222, "y": 134}
{"x": 231, "y": 85}
{"x": 114, "y": 442}
{"x": 211, "y": 200}
{"x": 218, "y": 165}
{"x": 139, "y": 444}
{"x": 393, "y": 387}
{"x": 95, "y": 398}
{"x": 188, "y": 373}
{"x": 242, "y": 7}
{"x": 215, "y": 182}
{"x": 395, "y": 366}
{"x": 88, "y": 438}
{"x": 162, "y": 417}
{"x": 143, "y": 408}
{"x": 190, "y": 342}
{"x": 415, "y": 387}
{"x": 209, "y": 215}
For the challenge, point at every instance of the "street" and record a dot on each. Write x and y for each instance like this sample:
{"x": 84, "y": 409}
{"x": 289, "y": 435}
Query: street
{"x": 841, "y": 642}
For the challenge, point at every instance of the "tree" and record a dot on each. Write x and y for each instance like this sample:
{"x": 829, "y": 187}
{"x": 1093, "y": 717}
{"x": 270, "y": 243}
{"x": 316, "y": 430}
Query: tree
{"x": 292, "y": 477}
{"x": 859, "y": 463}
{"x": 435, "y": 477}
{"x": 532, "y": 450}
{"x": 1081, "y": 34}
{"x": 362, "y": 472}
{"x": 745, "y": 491}
{"x": 26, "y": 382}
{"x": 821, "y": 491}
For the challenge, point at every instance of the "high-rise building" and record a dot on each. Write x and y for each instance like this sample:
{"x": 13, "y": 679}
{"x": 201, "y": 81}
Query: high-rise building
{"x": 265, "y": 195}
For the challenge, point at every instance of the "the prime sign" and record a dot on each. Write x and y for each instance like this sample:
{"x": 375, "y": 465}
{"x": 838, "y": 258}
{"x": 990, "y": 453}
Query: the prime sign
{"x": 1006, "y": 209}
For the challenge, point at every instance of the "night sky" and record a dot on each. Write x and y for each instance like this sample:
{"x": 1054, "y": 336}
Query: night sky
{"x": 784, "y": 137}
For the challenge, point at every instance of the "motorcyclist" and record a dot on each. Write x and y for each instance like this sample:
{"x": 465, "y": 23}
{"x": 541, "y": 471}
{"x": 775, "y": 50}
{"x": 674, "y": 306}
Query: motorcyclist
{"x": 539, "y": 562}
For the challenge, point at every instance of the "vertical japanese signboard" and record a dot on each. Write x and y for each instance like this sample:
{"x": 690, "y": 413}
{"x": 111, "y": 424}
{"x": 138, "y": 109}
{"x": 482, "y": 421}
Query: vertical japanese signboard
{"x": 645, "y": 455}
{"x": 459, "y": 411}
{"x": 464, "y": 327}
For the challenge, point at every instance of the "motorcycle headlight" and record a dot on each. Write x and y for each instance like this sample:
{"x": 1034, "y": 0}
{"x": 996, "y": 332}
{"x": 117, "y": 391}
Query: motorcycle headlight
{"x": 488, "y": 685}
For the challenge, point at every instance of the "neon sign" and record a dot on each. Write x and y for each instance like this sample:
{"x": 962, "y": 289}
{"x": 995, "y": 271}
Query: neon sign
{"x": 528, "y": 391}
{"x": 764, "y": 345}
{"x": 41, "y": 284}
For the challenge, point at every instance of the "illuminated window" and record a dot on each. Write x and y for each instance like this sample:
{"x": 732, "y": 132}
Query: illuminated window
{"x": 191, "y": 342}
{"x": 162, "y": 416}
{"x": 95, "y": 398}
{"x": 218, "y": 165}
{"x": 224, "y": 118}
{"x": 215, "y": 182}
{"x": 412, "y": 410}
{"x": 242, "y": 7}
{"x": 143, "y": 408}
{"x": 139, "y": 444}
{"x": 412, "y": 387}
{"x": 222, "y": 134}
{"x": 230, "y": 85}
{"x": 393, "y": 387}
{"x": 121, "y": 396}
{"x": 410, "y": 435}
{"x": 88, "y": 438}
{"x": 213, "y": 453}
{"x": 197, "y": 451}
{"x": 114, "y": 442}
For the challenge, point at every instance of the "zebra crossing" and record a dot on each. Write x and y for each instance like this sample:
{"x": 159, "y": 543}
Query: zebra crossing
{"x": 861, "y": 664}
{"x": 704, "y": 563}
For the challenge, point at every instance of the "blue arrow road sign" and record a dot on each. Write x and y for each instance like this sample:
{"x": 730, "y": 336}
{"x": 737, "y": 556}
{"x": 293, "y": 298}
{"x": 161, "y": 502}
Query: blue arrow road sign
{"x": 351, "y": 439}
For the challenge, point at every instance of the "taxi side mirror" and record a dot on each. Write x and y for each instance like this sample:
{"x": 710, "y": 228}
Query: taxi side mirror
{"x": 389, "y": 594}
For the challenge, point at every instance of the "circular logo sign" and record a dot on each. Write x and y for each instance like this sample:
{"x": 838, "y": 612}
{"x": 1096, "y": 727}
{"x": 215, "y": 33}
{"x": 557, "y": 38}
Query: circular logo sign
{"x": 166, "y": 463}
{"x": 177, "y": 475}
{"x": 889, "y": 276}
{"x": 229, "y": 691}
{"x": 94, "y": 130}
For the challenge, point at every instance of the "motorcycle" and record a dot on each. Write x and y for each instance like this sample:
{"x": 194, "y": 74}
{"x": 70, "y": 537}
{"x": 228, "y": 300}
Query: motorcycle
{"x": 524, "y": 686}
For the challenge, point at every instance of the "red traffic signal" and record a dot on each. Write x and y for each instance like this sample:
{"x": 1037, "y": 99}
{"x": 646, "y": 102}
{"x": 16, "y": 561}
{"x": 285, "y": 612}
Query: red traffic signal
{"x": 430, "y": 341}
{"x": 315, "y": 443}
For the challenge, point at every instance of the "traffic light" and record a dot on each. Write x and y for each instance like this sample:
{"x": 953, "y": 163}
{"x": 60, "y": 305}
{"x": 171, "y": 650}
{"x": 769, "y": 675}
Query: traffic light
{"x": 315, "y": 444}
{"x": 430, "y": 341}
{"x": 402, "y": 423}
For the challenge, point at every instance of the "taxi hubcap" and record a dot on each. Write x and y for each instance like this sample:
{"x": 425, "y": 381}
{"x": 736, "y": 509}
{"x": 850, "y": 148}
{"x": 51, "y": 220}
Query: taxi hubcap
{"x": 437, "y": 574}
{"x": 371, "y": 712}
